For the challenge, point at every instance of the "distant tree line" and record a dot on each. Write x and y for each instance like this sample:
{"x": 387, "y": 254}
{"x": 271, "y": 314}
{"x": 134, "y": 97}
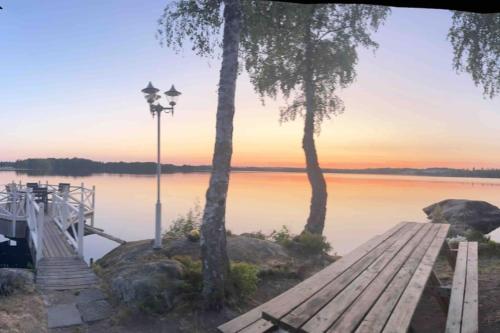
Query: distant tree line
{"x": 81, "y": 166}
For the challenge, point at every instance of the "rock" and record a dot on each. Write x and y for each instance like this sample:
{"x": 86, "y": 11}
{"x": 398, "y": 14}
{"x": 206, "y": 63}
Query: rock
{"x": 95, "y": 310}
{"x": 63, "y": 315}
{"x": 138, "y": 276}
{"x": 138, "y": 284}
{"x": 263, "y": 253}
{"x": 16, "y": 279}
{"x": 465, "y": 214}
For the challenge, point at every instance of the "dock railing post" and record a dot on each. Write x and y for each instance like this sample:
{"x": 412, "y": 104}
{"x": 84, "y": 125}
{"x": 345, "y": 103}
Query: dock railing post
{"x": 39, "y": 231}
{"x": 14, "y": 211}
{"x": 64, "y": 222}
{"x": 93, "y": 206}
{"x": 81, "y": 229}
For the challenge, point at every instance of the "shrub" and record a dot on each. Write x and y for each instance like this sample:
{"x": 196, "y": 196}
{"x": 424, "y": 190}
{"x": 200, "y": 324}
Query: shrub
{"x": 312, "y": 243}
{"x": 244, "y": 278}
{"x": 306, "y": 242}
{"x": 258, "y": 234}
{"x": 281, "y": 236}
{"x": 192, "y": 275}
{"x": 184, "y": 226}
{"x": 476, "y": 236}
{"x": 437, "y": 215}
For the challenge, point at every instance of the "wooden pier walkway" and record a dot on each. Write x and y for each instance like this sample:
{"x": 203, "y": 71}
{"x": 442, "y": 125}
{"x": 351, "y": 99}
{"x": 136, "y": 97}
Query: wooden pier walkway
{"x": 61, "y": 268}
{"x": 54, "y": 219}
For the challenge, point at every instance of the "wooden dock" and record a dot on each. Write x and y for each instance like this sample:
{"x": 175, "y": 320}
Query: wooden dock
{"x": 61, "y": 268}
{"x": 54, "y": 219}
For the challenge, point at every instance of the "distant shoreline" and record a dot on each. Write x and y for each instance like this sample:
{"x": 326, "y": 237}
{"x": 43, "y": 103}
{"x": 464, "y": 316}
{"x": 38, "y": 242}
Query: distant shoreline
{"x": 83, "y": 167}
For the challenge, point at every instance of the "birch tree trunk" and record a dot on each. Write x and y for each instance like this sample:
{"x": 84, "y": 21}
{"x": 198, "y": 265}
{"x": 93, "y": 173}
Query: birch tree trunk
{"x": 213, "y": 231}
{"x": 317, "y": 210}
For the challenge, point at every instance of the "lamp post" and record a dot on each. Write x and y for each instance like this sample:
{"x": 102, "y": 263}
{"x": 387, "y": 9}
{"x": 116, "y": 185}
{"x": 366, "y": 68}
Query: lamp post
{"x": 151, "y": 95}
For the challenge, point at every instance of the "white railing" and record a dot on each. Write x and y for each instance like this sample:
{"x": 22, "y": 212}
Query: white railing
{"x": 67, "y": 214}
{"x": 69, "y": 208}
{"x": 35, "y": 218}
{"x": 12, "y": 205}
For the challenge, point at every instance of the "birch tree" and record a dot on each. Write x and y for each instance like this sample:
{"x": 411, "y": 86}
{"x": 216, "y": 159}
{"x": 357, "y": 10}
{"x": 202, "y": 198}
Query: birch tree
{"x": 199, "y": 22}
{"x": 475, "y": 39}
{"x": 307, "y": 53}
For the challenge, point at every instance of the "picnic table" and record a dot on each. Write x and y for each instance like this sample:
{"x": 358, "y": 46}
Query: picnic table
{"x": 375, "y": 288}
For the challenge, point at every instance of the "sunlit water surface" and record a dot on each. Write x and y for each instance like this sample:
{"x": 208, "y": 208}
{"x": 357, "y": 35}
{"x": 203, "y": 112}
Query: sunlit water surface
{"x": 359, "y": 206}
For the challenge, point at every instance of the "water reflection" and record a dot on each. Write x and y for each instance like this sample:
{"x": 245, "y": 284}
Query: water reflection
{"x": 359, "y": 206}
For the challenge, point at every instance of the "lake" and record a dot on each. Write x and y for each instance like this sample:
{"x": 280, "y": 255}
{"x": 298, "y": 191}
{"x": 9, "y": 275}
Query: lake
{"x": 359, "y": 206}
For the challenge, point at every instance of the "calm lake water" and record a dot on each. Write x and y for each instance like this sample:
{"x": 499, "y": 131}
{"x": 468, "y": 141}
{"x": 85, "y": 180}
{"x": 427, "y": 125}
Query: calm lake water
{"x": 359, "y": 206}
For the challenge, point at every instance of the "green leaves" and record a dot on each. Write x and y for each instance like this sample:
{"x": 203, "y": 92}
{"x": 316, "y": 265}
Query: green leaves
{"x": 196, "y": 21}
{"x": 476, "y": 45}
{"x": 274, "y": 44}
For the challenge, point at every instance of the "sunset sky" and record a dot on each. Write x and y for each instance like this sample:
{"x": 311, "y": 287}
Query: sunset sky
{"x": 71, "y": 74}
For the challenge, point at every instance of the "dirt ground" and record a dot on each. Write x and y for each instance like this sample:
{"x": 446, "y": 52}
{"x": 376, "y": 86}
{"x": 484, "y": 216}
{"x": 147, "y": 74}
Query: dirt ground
{"x": 22, "y": 313}
{"x": 429, "y": 317}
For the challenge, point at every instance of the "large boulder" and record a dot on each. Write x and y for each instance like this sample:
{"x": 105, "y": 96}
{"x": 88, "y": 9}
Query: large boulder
{"x": 138, "y": 275}
{"x": 465, "y": 214}
{"x": 15, "y": 279}
{"x": 263, "y": 253}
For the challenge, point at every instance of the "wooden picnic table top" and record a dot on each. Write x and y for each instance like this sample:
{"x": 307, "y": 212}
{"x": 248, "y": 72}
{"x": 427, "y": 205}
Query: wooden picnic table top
{"x": 375, "y": 288}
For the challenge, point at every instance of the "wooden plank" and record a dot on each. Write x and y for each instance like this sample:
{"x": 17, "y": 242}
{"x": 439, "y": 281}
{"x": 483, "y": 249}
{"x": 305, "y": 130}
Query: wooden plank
{"x": 470, "y": 323}
{"x": 313, "y": 284}
{"x": 406, "y": 260}
{"x": 88, "y": 275}
{"x": 260, "y": 326}
{"x": 72, "y": 287}
{"x": 301, "y": 314}
{"x": 376, "y": 318}
{"x": 101, "y": 233}
{"x": 454, "y": 319}
{"x": 321, "y": 321}
{"x": 403, "y": 312}
{"x": 65, "y": 276}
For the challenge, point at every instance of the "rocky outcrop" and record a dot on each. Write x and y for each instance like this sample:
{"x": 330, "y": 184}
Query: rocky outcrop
{"x": 465, "y": 214}
{"x": 15, "y": 279}
{"x": 136, "y": 274}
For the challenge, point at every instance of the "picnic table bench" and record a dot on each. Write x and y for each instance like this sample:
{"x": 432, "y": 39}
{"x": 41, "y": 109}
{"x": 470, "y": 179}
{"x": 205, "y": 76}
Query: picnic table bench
{"x": 463, "y": 309}
{"x": 375, "y": 288}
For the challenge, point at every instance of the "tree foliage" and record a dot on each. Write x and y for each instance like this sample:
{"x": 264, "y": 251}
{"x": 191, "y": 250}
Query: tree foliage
{"x": 273, "y": 42}
{"x": 476, "y": 45}
{"x": 196, "y": 21}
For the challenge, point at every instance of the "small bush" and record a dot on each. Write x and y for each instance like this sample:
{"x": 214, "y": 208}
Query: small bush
{"x": 258, "y": 234}
{"x": 192, "y": 275}
{"x": 185, "y": 226}
{"x": 312, "y": 243}
{"x": 476, "y": 236}
{"x": 306, "y": 242}
{"x": 281, "y": 236}
{"x": 244, "y": 278}
{"x": 437, "y": 215}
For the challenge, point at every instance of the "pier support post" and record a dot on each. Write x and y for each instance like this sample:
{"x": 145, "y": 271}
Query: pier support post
{"x": 81, "y": 229}
{"x": 93, "y": 206}
{"x": 39, "y": 231}
{"x": 14, "y": 211}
